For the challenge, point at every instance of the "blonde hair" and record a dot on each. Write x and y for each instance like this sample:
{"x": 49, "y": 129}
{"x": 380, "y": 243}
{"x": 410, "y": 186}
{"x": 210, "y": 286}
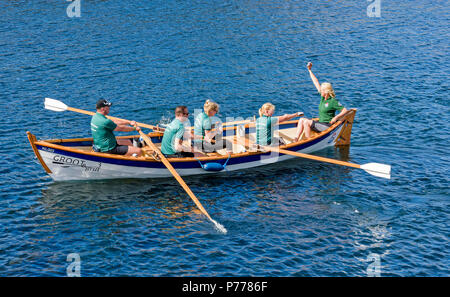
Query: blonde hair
{"x": 266, "y": 106}
{"x": 209, "y": 105}
{"x": 327, "y": 89}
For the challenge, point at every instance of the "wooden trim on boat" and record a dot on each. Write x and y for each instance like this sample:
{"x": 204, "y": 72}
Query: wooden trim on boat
{"x": 54, "y": 143}
{"x": 32, "y": 140}
{"x": 141, "y": 159}
{"x": 346, "y": 132}
{"x": 348, "y": 121}
{"x": 62, "y": 140}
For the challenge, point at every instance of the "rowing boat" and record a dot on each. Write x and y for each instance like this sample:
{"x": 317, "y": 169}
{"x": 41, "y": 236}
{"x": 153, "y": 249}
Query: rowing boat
{"x": 74, "y": 159}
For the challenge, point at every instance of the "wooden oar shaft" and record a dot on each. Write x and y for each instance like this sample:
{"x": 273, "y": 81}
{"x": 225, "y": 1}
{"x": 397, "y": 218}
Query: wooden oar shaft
{"x": 306, "y": 156}
{"x": 80, "y": 111}
{"x": 154, "y": 128}
{"x": 175, "y": 174}
{"x": 312, "y": 157}
{"x": 376, "y": 169}
{"x": 143, "y": 125}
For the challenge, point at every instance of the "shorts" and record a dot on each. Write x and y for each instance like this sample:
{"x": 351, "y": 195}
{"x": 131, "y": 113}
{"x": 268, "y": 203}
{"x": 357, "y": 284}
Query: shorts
{"x": 180, "y": 155}
{"x": 208, "y": 147}
{"x": 118, "y": 150}
{"x": 319, "y": 126}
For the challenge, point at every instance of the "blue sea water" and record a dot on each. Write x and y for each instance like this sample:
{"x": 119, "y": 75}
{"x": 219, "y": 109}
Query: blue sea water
{"x": 302, "y": 218}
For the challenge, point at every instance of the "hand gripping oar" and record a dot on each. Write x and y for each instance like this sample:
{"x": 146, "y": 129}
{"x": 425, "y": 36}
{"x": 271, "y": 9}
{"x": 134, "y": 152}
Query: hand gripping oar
{"x": 377, "y": 169}
{"x": 180, "y": 180}
{"x": 56, "y": 105}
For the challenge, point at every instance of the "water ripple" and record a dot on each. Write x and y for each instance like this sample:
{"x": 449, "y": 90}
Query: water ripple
{"x": 299, "y": 218}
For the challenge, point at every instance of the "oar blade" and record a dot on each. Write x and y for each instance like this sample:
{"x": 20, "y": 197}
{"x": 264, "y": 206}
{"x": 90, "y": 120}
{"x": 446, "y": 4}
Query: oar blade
{"x": 54, "y": 105}
{"x": 377, "y": 169}
{"x": 175, "y": 174}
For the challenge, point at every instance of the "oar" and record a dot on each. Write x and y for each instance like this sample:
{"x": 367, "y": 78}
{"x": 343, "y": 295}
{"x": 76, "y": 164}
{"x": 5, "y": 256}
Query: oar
{"x": 56, "y": 105}
{"x": 376, "y": 169}
{"x": 180, "y": 180}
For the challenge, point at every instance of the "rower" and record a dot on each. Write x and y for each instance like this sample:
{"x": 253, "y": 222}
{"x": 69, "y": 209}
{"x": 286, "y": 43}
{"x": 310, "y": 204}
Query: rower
{"x": 102, "y": 132}
{"x": 172, "y": 141}
{"x": 266, "y": 123}
{"x": 206, "y": 138}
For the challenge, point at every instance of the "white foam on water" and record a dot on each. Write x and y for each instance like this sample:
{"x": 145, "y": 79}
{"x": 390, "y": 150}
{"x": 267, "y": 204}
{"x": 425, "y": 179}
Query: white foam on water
{"x": 219, "y": 227}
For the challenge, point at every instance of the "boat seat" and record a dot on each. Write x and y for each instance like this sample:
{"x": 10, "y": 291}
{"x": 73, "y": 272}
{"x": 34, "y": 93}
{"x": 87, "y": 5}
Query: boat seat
{"x": 83, "y": 148}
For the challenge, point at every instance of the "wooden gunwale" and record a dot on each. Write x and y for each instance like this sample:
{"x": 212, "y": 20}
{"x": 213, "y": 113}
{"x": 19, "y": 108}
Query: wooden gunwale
{"x": 52, "y": 144}
{"x": 32, "y": 140}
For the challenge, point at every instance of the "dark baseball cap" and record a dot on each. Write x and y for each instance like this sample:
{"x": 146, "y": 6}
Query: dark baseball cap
{"x": 102, "y": 103}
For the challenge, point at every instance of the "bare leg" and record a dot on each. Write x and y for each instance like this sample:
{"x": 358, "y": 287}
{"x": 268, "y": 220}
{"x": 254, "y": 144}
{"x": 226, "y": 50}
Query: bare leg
{"x": 299, "y": 129}
{"x": 131, "y": 149}
{"x": 307, "y": 126}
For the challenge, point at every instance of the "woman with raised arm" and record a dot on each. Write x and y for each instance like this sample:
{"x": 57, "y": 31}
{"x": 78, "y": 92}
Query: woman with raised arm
{"x": 327, "y": 109}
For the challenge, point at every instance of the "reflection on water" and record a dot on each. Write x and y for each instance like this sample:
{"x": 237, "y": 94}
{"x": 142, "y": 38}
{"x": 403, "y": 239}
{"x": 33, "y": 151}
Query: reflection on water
{"x": 165, "y": 198}
{"x": 136, "y": 199}
{"x": 296, "y": 218}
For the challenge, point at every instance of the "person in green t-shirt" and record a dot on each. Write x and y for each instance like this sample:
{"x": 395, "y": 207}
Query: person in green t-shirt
{"x": 102, "y": 132}
{"x": 172, "y": 141}
{"x": 327, "y": 109}
{"x": 266, "y": 124}
{"x": 206, "y": 137}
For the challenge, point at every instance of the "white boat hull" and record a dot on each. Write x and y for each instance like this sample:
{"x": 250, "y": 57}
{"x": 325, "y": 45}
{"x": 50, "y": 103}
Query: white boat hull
{"x": 65, "y": 167}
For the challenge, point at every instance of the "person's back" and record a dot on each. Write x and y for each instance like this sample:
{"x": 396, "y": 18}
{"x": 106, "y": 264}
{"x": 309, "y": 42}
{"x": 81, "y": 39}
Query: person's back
{"x": 264, "y": 129}
{"x": 172, "y": 141}
{"x": 202, "y": 123}
{"x": 173, "y": 132}
{"x": 102, "y": 131}
{"x": 267, "y": 123}
{"x": 102, "y": 128}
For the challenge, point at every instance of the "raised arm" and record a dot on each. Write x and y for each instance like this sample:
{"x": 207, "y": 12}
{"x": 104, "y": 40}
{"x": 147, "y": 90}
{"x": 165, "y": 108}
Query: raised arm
{"x": 313, "y": 77}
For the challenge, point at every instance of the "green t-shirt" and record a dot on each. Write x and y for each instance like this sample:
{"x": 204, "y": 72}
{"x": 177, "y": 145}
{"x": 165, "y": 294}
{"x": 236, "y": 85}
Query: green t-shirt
{"x": 102, "y": 131}
{"x": 327, "y": 109}
{"x": 202, "y": 123}
{"x": 174, "y": 131}
{"x": 264, "y": 129}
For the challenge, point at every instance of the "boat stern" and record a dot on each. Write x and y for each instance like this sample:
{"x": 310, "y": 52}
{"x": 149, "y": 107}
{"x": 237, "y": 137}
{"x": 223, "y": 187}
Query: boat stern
{"x": 346, "y": 130}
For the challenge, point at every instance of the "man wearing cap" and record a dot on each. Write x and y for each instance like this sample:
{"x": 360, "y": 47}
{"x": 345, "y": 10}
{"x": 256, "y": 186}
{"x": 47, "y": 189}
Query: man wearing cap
{"x": 102, "y": 131}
